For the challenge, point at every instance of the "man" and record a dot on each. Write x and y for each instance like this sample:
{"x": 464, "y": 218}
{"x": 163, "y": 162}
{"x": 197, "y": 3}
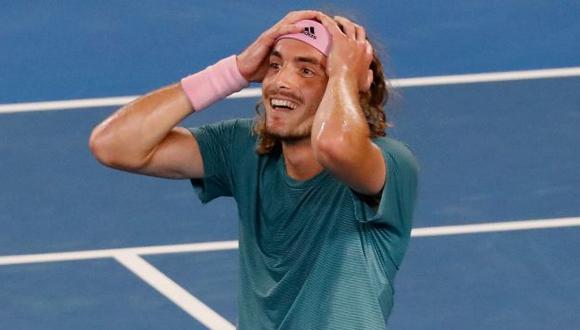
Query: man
{"x": 325, "y": 200}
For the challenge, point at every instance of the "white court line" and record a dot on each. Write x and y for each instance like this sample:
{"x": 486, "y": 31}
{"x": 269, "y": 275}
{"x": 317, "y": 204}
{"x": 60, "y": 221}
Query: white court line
{"x": 66, "y": 104}
{"x": 232, "y": 245}
{"x": 496, "y": 227}
{"x": 256, "y": 92}
{"x": 173, "y": 291}
{"x": 108, "y": 253}
{"x": 487, "y": 77}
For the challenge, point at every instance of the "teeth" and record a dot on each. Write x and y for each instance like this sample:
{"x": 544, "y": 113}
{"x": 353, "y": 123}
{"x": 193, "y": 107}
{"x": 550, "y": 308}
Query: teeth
{"x": 283, "y": 103}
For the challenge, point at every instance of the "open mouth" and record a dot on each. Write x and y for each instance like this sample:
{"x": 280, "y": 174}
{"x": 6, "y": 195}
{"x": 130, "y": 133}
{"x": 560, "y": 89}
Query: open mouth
{"x": 279, "y": 104}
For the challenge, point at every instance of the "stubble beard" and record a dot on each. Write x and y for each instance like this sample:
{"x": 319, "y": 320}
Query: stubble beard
{"x": 292, "y": 135}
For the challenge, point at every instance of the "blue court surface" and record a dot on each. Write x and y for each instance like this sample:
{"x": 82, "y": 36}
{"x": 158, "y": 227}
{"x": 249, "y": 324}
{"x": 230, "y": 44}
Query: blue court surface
{"x": 496, "y": 241}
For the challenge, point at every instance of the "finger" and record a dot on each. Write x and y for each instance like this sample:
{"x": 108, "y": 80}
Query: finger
{"x": 369, "y": 81}
{"x": 369, "y": 51}
{"x": 279, "y": 30}
{"x": 287, "y": 29}
{"x": 347, "y": 26}
{"x": 361, "y": 34}
{"x": 296, "y": 16}
{"x": 330, "y": 25}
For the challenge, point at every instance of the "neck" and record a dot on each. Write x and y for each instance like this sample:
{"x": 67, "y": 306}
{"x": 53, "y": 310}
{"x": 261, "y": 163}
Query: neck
{"x": 299, "y": 159}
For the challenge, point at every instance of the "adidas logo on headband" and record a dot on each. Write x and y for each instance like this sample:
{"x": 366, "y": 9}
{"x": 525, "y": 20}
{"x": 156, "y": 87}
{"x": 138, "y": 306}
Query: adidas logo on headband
{"x": 309, "y": 31}
{"x": 312, "y": 33}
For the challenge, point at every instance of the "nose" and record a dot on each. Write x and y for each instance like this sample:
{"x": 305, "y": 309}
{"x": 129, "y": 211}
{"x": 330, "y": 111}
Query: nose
{"x": 283, "y": 78}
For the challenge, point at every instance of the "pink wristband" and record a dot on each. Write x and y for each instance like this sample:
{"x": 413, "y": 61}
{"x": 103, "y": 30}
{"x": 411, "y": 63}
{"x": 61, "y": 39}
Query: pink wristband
{"x": 213, "y": 83}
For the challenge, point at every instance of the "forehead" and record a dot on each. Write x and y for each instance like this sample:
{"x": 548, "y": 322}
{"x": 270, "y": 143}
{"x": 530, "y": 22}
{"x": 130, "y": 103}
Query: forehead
{"x": 291, "y": 48}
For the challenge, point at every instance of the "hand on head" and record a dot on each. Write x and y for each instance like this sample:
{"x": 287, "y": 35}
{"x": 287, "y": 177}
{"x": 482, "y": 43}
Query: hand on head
{"x": 253, "y": 62}
{"x": 350, "y": 54}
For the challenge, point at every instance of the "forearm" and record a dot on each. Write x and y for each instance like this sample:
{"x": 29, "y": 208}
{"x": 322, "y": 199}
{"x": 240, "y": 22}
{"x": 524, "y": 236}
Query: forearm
{"x": 339, "y": 125}
{"x": 341, "y": 139}
{"x": 129, "y": 136}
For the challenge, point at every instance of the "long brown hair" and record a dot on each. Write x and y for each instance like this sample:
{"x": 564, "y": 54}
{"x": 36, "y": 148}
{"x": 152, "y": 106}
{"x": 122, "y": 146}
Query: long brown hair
{"x": 372, "y": 103}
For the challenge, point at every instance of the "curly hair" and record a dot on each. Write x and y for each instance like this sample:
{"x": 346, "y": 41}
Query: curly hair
{"x": 372, "y": 103}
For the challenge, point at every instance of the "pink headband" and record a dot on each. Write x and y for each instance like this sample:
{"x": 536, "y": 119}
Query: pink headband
{"x": 314, "y": 34}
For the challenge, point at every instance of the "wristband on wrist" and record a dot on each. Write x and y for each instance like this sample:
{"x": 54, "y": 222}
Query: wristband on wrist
{"x": 213, "y": 83}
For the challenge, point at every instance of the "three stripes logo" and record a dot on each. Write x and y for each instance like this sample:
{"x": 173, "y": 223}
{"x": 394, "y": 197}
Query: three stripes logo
{"x": 309, "y": 31}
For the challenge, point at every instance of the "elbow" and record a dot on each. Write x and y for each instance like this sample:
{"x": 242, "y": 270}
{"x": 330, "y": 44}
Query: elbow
{"x": 100, "y": 148}
{"x": 106, "y": 151}
{"x": 343, "y": 150}
{"x": 340, "y": 144}
{"x": 331, "y": 152}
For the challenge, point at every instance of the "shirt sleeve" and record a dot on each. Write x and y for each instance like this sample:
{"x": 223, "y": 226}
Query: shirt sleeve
{"x": 215, "y": 145}
{"x": 397, "y": 200}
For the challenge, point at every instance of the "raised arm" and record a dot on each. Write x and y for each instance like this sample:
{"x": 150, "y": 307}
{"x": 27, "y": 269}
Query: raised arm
{"x": 340, "y": 133}
{"x": 142, "y": 137}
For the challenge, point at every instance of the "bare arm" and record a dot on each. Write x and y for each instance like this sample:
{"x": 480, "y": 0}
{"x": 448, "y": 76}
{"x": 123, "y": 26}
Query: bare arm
{"x": 142, "y": 137}
{"x": 340, "y": 133}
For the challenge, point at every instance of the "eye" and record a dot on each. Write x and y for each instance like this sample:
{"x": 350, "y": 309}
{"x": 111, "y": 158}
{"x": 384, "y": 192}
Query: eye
{"x": 307, "y": 72}
{"x": 274, "y": 65}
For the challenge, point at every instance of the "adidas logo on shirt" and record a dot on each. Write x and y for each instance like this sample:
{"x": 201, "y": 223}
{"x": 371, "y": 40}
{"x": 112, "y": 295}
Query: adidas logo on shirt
{"x": 309, "y": 31}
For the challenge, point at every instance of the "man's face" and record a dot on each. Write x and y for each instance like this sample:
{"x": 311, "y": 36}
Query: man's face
{"x": 293, "y": 88}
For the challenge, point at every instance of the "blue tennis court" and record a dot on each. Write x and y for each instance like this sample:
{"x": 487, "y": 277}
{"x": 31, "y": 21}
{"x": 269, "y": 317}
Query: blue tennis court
{"x": 487, "y": 96}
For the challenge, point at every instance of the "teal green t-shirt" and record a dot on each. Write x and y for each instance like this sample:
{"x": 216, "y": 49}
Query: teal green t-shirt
{"x": 313, "y": 254}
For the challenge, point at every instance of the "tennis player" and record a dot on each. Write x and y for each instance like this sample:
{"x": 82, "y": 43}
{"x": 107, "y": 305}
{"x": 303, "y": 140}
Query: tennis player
{"x": 325, "y": 199}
